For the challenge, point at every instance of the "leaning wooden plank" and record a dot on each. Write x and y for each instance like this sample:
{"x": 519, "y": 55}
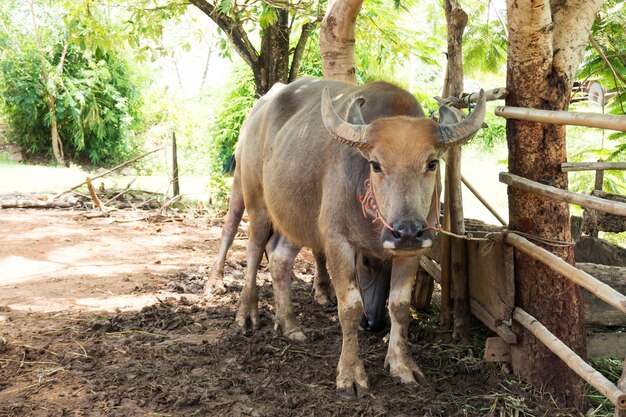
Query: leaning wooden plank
{"x": 423, "y": 290}
{"x": 595, "y": 286}
{"x": 430, "y": 266}
{"x": 603, "y": 121}
{"x": 606, "y": 345}
{"x": 562, "y": 195}
{"x": 494, "y": 324}
{"x": 573, "y": 361}
{"x": 591, "y": 166}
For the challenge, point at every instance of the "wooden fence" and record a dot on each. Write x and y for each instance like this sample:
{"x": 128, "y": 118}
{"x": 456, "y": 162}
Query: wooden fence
{"x": 490, "y": 276}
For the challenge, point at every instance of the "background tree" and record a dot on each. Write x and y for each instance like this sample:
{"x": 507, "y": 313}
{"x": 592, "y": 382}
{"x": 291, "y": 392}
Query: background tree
{"x": 546, "y": 44}
{"x": 61, "y": 80}
{"x": 270, "y": 62}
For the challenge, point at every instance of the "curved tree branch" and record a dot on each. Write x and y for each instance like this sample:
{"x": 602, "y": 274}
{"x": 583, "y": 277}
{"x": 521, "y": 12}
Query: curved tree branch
{"x": 299, "y": 50}
{"x": 337, "y": 40}
{"x": 235, "y": 32}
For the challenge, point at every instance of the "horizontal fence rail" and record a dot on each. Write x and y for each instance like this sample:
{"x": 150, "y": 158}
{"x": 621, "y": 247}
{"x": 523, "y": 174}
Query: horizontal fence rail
{"x": 592, "y": 166}
{"x": 573, "y": 361}
{"x": 589, "y": 282}
{"x": 613, "y": 207}
{"x": 603, "y": 121}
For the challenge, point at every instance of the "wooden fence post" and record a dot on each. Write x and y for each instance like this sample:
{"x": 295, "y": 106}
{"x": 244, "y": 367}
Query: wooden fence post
{"x": 175, "y": 184}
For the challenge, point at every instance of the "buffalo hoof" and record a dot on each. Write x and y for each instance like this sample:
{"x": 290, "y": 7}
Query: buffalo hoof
{"x": 406, "y": 371}
{"x": 295, "y": 335}
{"x": 352, "y": 381}
{"x": 247, "y": 317}
{"x": 214, "y": 285}
{"x": 321, "y": 299}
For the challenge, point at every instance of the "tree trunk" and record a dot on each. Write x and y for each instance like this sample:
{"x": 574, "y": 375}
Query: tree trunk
{"x": 546, "y": 42}
{"x": 57, "y": 145}
{"x": 272, "y": 65}
{"x": 337, "y": 40}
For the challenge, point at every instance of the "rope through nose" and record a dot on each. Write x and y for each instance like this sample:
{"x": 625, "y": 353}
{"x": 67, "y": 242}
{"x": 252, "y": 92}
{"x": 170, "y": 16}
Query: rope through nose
{"x": 368, "y": 201}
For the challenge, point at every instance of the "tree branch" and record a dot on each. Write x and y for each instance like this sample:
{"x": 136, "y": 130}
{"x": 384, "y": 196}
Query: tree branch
{"x": 234, "y": 31}
{"x": 300, "y": 46}
{"x": 596, "y": 46}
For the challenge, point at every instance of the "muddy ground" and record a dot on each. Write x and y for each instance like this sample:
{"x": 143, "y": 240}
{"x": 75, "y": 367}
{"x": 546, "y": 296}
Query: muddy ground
{"x": 105, "y": 317}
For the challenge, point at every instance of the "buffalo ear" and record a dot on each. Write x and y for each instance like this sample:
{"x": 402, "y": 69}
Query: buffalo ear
{"x": 354, "y": 111}
{"x": 447, "y": 116}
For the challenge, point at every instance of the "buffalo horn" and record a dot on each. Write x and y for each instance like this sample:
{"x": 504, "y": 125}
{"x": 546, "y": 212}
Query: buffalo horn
{"x": 458, "y": 133}
{"x": 347, "y": 133}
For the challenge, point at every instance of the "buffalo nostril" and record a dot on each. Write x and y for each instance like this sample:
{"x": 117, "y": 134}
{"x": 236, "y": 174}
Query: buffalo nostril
{"x": 396, "y": 234}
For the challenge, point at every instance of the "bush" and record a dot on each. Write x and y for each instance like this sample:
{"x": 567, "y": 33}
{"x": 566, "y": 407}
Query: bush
{"x": 97, "y": 104}
{"x": 235, "y": 106}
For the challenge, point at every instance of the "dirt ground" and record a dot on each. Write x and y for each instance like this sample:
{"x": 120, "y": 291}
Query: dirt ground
{"x": 105, "y": 317}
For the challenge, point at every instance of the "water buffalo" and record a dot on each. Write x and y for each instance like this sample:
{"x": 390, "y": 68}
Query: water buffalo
{"x": 314, "y": 158}
{"x": 374, "y": 274}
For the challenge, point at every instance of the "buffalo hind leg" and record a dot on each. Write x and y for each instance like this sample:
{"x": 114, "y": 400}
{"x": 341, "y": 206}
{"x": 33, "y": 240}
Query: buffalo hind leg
{"x": 321, "y": 282}
{"x": 399, "y": 361}
{"x": 259, "y": 231}
{"x": 351, "y": 376}
{"x": 215, "y": 283}
{"x": 282, "y": 253}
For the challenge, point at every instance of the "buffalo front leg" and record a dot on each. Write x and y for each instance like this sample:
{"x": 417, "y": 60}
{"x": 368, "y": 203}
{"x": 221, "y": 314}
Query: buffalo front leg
{"x": 282, "y": 253}
{"x": 399, "y": 361}
{"x": 351, "y": 376}
{"x": 258, "y": 231}
{"x": 215, "y": 283}
{"x": 321, "y": 282}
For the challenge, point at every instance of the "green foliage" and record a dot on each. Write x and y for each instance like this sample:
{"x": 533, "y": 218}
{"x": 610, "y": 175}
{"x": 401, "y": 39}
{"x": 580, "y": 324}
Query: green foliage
{"x": 495, "y": 132}
{"x": 388, "y": 38}
{"x": 611, "y": 369}
{"x": 610, "y": 70}
{"x": 484, "y": 41}
{"x": 585, "y": 145}
{"x": 69, "y": 77}
{"x": 97, "y": 104}
{"x": 234, "y": 107}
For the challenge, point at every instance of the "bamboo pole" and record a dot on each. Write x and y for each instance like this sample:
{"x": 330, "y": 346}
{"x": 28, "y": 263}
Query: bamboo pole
{"x": 592, "y": 166}
{"x": 483, "y": 201}
{"x": 589, "y": 282}
{"x": 575, "y": 362}
{"x": 603, "y": 121}
{"x": 554, "y": 193}
{"x": 621, "y": 384}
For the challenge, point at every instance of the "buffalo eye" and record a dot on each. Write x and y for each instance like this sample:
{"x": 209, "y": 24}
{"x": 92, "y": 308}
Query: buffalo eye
{"x": 432, "y": 165}
{"x": 376, "y": 166}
